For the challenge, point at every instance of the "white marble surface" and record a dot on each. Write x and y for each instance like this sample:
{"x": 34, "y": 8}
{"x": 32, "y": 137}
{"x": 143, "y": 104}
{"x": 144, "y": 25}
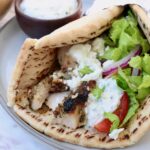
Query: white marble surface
{"x": 13, "y": 137}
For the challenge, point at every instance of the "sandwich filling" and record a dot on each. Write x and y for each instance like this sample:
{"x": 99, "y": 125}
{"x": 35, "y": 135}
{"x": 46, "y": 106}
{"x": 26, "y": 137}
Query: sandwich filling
{"x": 101, "y": 83}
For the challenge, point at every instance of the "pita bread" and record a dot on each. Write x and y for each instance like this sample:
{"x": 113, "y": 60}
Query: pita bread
{"x": 32, "y": 65}
{"x": 87, "y": 27}
{"x": 137, "y": 127}
{"x": 81, "y": 30}
{"x": 143, "y": 20}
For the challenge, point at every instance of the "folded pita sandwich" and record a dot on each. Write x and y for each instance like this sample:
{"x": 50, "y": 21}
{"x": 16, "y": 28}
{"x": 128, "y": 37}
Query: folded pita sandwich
{"x": 88, "y": 83}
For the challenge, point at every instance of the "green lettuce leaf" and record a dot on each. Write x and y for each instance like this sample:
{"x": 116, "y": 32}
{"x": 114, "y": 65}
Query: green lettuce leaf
{"x": 133, "y": 107}
{"x": 137, "y": 87}
{"x": 132, "y": 97}
{"x": 131, "y": 112}
{"x": 114, "y": 119}
{"x": 145, "y": 82}
{"x": 97, "y": 92}
{"x": 142, "y": 86}
{"x": 127, "y": 43}
{"x": 121, "y": 82}
{"x": 131, "y": 19}
{"x": 118, "y": 27}
{"x": 143, "y": 93}
{"x": 112, "y": 54}
{"x": 85, "y": 70}
{"x": 136, "y": 62}
{"x": 109, "y": 42}
{"x": 136, "y": 80}
{"x": 142, "y": 63}
{"x": 135, "y": 33}
{"x": 145, "y": 45}
{"x": 146, "y": 63}
{"x": 123, "y": 37}
{"x": 138, "y": 84}
{"x": 127, "y": 80}
{"x": 127, "y": 71}
{"x": 129, "y": 84}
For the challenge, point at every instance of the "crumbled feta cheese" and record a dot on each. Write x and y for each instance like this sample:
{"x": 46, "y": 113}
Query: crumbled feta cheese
{"x": 98, "y": 45}
{"x": 80, "y": 52}
{"x": 115, "y": 133}
{"x": 84, "y": 56}
{"x": 73, "y": 82}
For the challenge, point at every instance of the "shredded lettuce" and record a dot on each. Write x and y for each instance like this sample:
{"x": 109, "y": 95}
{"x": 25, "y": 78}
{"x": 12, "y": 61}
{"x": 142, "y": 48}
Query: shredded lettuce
{"x": 114, "y": 119}
{"x": 145, "y": 45}
{"x": 140, "y": 85}
{"x": 109, "y": 42}
{"x": 121, "y": 82}
{"x": 97, "y": 92}
{"x": 136, "y": 80}
{"x": 145, "y": 82}
{"x": 137, "y": 87}
{"x": 141, "y": 63}
{"x": 146, "y": 63}
{"x": 130, "y": 84}
{"x": 85, "y": 70}
{"x": 112, "y": 53}
{"x": 136, "y": 62}
{"x": 131, "y": 112}
{"x": 127, "y": 43}
{"x": 131, "y": 19}
{"x": 133, "y": 106}
{"x": 123, "y": 37}
{"x": 118, "y": 27}
{"x": 143, "y": 93}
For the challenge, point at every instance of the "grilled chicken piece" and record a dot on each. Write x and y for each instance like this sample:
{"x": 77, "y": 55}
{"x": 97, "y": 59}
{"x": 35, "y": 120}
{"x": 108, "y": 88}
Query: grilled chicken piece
{"x": 55, "y": 99}
{"x": 57, "y": 85}
{"x": 41, "y": 91}
{"x": 71, "y": 112}
{"x": 72, "y": 120}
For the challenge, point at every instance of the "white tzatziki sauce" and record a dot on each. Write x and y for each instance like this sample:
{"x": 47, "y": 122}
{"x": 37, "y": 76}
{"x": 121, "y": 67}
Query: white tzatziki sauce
{"x": 108, "y": 102}
{"x": 48, "y": 9}
{"x": 115, "y": 133}
{"x": 84, "y": 56}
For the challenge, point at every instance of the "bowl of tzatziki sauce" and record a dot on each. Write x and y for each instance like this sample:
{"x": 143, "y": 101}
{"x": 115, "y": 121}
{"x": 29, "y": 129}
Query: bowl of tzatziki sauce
{"x": 40, "y": 17}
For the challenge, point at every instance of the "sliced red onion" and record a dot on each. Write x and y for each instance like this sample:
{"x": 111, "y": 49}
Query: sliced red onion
{"x": 123, "y": 63}
{"x": 136, "y": 72}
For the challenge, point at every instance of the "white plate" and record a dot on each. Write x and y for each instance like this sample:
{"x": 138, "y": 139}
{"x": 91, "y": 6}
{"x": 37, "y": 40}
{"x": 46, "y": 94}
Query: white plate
{"x": 11, "y": 39}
